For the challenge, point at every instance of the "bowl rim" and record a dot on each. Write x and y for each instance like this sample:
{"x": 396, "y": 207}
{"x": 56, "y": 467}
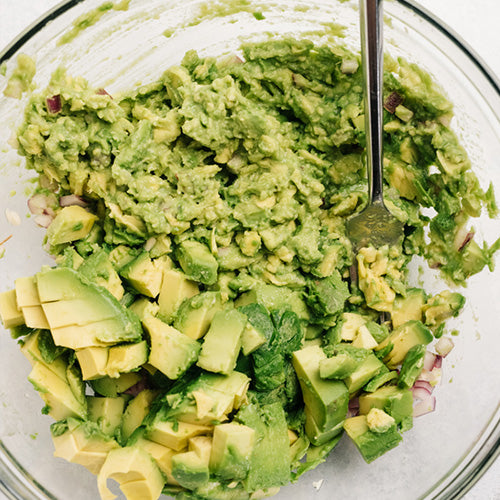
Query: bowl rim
{"x": 477, "y": 461}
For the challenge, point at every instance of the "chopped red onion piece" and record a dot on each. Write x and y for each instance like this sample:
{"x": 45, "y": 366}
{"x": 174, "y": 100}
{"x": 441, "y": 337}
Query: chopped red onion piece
{"x": 37, "y": 204}
{"x": 444, "y": 346}
{"x": 392, "y": 102}
{"x": 468, "y": 238}
{"x": 429, "y": 360}
{"x": 421, "y": 384}
{"x": 353, "y": 409}
{"x": 138, "y": 387}
{"x": 432, "y": 376}
{"x": 43, "y": 220}
{"x": 72, "y": 199}
{"x": 102, "y": 91}
{"x": 54, "y": 104}
{"x": 439, "y": 362}
{"x": 425, "y": 406}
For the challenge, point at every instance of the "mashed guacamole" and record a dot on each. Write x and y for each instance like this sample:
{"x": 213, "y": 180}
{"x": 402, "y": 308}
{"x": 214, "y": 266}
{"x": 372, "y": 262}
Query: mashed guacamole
{"x": 208, "y": 330}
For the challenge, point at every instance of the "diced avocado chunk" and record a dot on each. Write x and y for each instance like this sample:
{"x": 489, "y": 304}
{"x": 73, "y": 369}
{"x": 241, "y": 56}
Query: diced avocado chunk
{"x": 126, "y": 358}
{"x": 144, "y": 308}
{"x": 209, "y": 398}
{"x": 57, "y": 394}
{"x": 379, "y": 380}
{"x": 371, "y": 444}
{"x": 366, "y": 370}
{"x": 69, "y": 299}
{"x": 135, "y": 412}
{"x": 135, "y": 471}
{"x": 197, "y": 262}
{"x": 98, "y": 269}
{"x": 172, "y": 352}
{"x": 315, "y": 434}
{"x": 274, "y": 297}
{"x": 379, "y": 421}
{"x": 144, "y": 275}
{"x": 173, "y": 434}
{"x": 338, "y": 367}
{"x": 412, "y": 366}
{"x": 196, "y": 313}
{"x": 251, "y": 339}
{"x": 222, "y": 343}
{"x": 326, "y": 400}
{"x": 327, "y": 296}
{"x": 408, "y": 307}
{"x": 270, "y": 460}
{"x": 403, "y": 338}
{"x": 175, "y": 288}
{"x": 121, "y": 255}
{"x": 378, "y": 332}
{"x": 442, "y": 306}
{"x": 106, "y": 412}
{"x": 70, "y": 224}
{"x": 397, "y": 402}
{"x": 82, "y": 442}
{"x": 190, "y": 470}
{"x": 232, "y": 448}
{"x": 161, "y": 455}
{"x": 10, "y": 313}
{"x": 26, "y": 292}
{"x": 364, "y": 339}
{"x": 112, "y": 387}
{"x": 33, "y": 346}
{"x": 350, "y": 325}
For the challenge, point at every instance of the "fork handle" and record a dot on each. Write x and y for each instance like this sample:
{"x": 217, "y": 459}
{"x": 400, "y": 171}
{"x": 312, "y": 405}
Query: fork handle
{"x": 372, "y": 54}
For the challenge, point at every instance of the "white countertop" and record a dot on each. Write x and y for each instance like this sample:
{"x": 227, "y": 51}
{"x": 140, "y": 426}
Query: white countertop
{"x": 477, "y": 22}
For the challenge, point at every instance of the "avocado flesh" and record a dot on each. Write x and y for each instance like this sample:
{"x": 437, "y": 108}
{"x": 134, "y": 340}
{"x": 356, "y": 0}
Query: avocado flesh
{"x": 326, "y": 400}
{"x": 371, "y": 444}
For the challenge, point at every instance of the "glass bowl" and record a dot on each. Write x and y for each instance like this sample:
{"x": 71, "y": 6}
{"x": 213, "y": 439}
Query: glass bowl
{"x": 447, "y": 450}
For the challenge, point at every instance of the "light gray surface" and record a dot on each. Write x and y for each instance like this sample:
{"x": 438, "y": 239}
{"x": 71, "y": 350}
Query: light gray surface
{"x": 476, "y": 22}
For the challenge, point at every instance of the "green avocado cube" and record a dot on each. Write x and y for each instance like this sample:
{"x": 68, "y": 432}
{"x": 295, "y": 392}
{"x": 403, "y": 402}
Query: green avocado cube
{"x": 171, "y": 352}
{"x": 326, "y": 400}
{"x": 371, "y": 444}
{"x": 144, "y": 275}
{"x": 251, "y": 339}
{"x": 197, "y": 262}
{"x": 175, "y": 288}
{"x": 126, "y": 358}
{"x": 396, "y": 402}
{"x": 209, "y": 398}
{"x": 190, "y": 470}
{"x": 57, "y": 394}
{"x": 317, "y": 436}
{"x": 368, "y": 368}
{"x": 408, "y": 307}
{"x": 112, "y": 387}
{"x": 70, "y": 224}
{"x": 196, "y": 313}
{"x": 136, "y": 411}
{"x": 442, "y": 306}
{"x": 222, "y": 343}
{"x": 232, "y": 448}
{"x": 338, "y": 367}
{"x": 106, "y": 412}
{"x": 403, "y": 338}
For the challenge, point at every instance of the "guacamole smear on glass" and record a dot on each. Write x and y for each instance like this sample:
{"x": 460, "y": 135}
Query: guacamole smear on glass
{"x": 207, "y": 330}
